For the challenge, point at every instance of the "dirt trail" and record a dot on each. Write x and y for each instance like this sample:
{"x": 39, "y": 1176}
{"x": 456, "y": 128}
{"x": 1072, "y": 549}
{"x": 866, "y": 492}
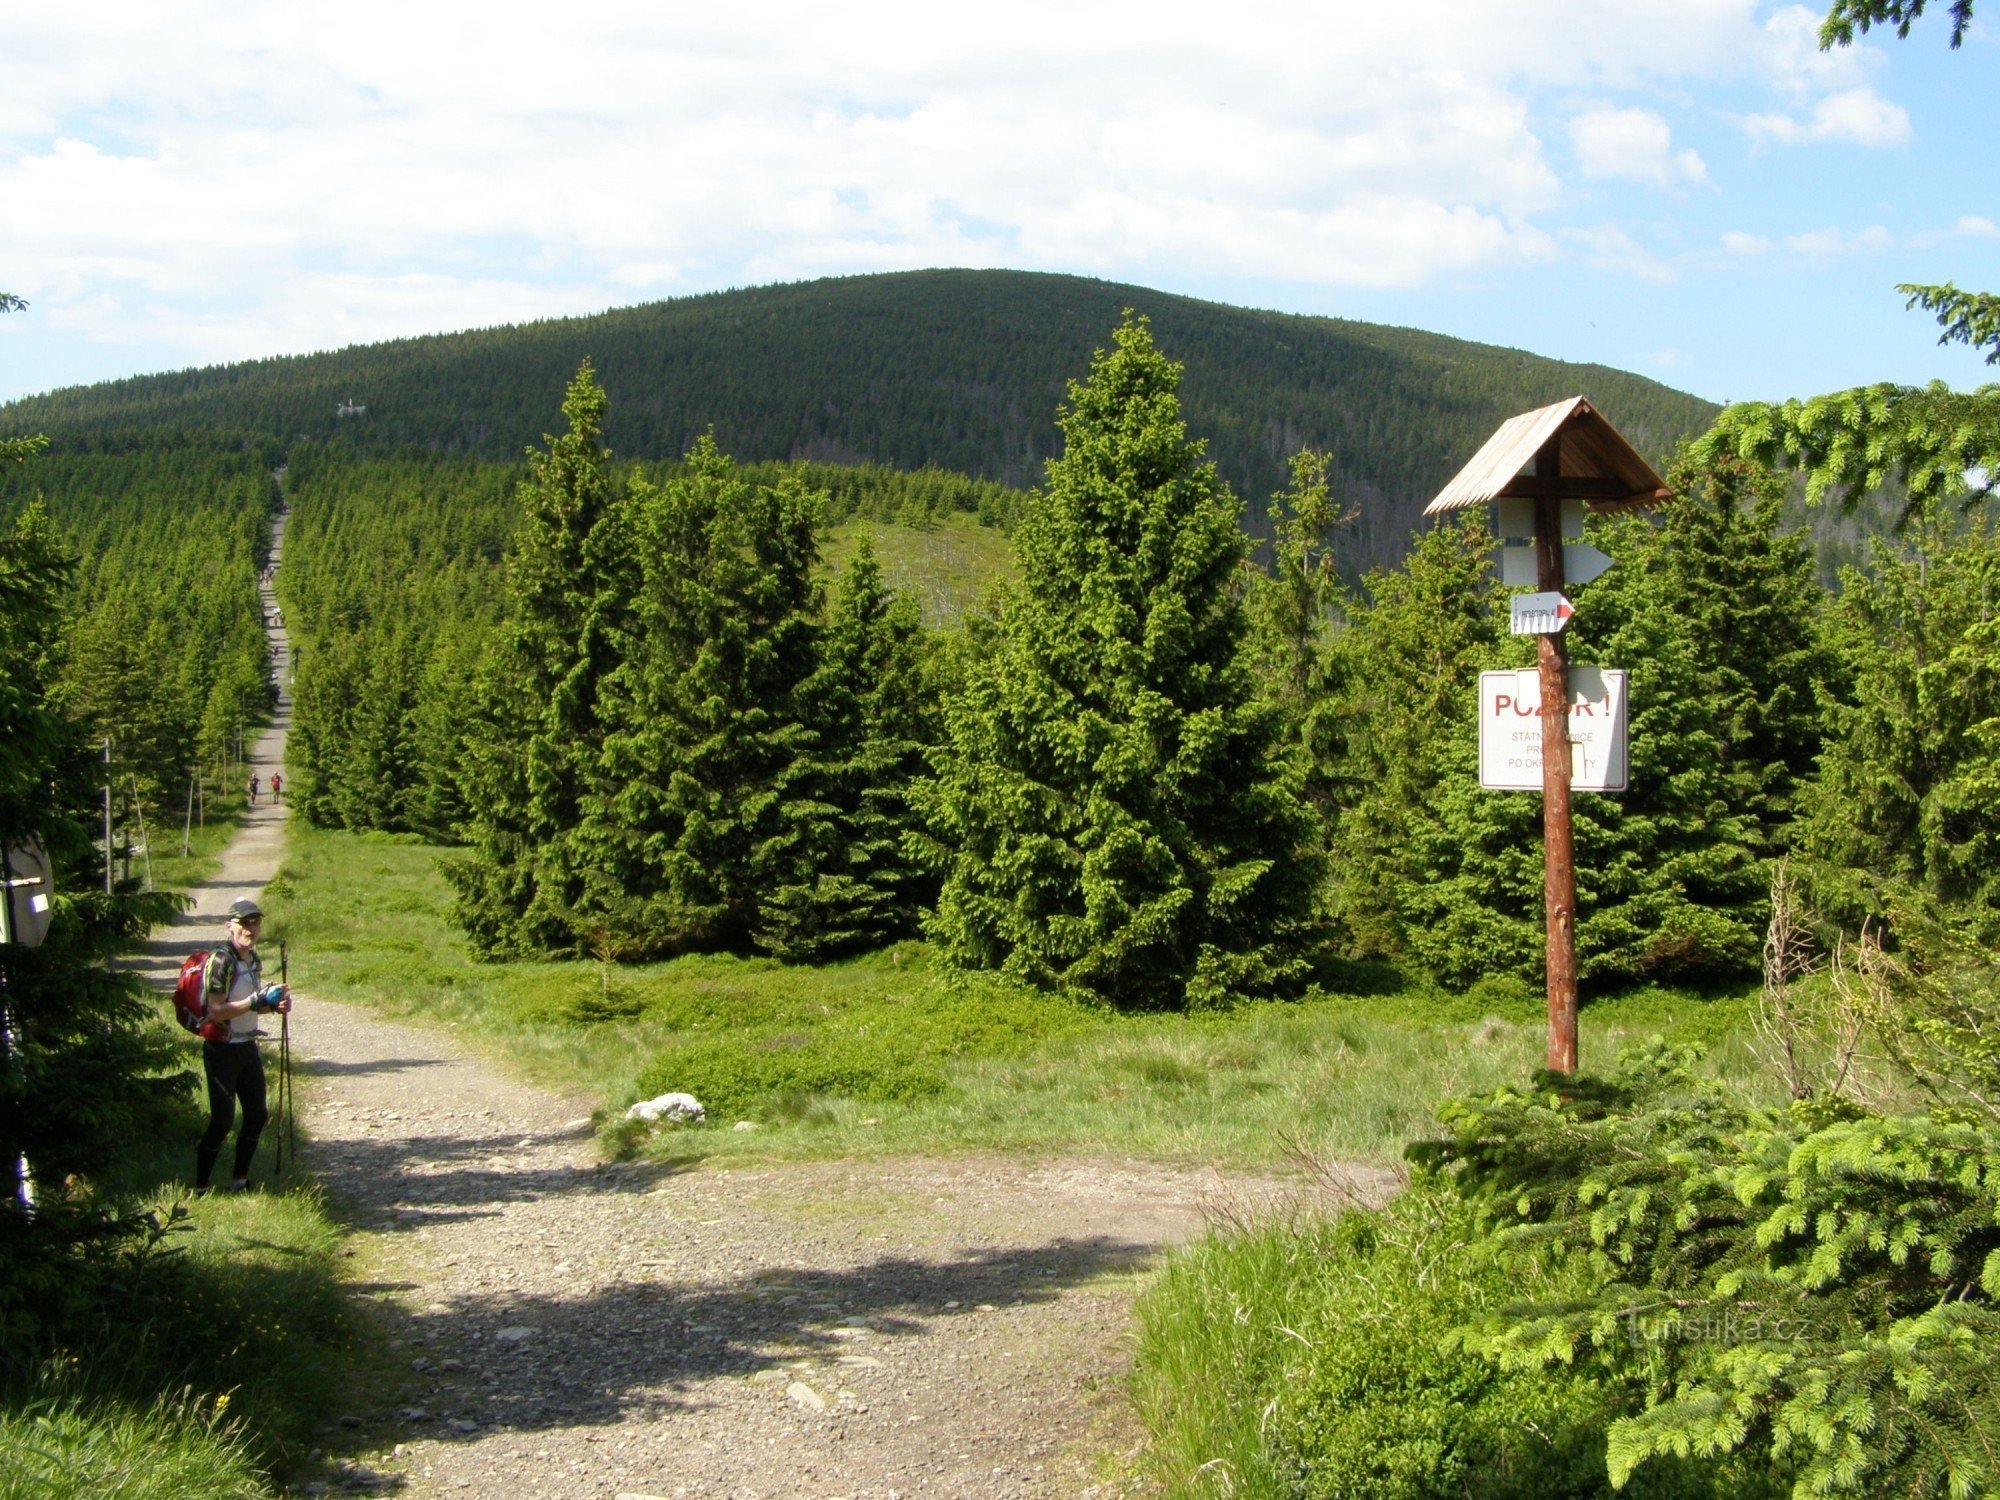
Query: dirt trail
{"x": 893, "y": 1328}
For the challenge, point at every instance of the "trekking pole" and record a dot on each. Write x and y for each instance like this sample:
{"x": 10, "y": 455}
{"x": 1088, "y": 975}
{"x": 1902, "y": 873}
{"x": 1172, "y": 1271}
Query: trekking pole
{"x": 287, "y": 1125}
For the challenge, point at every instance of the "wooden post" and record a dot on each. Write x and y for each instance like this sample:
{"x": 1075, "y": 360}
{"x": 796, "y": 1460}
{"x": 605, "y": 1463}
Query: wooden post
{"x": 1558, "y": 840}
{"x": 107, "y": 817}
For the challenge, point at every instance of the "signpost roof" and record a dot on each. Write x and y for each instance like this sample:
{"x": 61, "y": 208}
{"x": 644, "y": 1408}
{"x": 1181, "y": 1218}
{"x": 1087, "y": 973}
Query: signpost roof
{"x": 1596, "y": 466}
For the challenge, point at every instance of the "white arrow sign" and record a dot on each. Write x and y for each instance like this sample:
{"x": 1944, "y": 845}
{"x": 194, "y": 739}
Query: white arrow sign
{"x": 1541, "y": 614}
{"x": 1581, "y": 563}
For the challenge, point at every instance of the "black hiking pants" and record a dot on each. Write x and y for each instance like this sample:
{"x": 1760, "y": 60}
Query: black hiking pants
{"x": 235, "y": 1072}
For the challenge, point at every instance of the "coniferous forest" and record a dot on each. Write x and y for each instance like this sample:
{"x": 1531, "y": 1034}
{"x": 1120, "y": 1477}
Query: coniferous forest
{"x": 1212, "y": 743}
{"x": 958, "y": 370}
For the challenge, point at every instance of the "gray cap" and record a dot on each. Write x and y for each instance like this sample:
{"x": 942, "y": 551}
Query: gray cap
{"x": 243, "y": 907}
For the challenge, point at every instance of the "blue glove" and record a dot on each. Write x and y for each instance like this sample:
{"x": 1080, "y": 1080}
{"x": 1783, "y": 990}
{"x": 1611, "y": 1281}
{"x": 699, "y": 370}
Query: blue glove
{"x": 268, "y": 998}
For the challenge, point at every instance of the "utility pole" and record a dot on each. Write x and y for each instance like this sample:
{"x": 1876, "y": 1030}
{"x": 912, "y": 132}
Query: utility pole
{"x": 1558, "y": 827}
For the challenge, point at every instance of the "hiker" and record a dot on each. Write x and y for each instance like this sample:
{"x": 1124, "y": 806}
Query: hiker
{"x": 253, "y": 789}
{"x": 277, "y": 788}
{"x": 233, "y": 986}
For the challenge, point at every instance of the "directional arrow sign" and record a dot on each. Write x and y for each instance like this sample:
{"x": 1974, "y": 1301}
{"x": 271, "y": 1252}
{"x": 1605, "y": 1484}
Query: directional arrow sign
{"x": 1581, "y": 563}
{"x": 1541, "y": 614}
{"x": 1516, "y": 515}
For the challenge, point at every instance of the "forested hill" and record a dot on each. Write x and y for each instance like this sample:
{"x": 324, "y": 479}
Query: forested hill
{"x": 959, "y": 369}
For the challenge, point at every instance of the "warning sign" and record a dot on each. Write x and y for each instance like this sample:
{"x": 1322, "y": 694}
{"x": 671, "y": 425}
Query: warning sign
{"x": 1510, "y": 730}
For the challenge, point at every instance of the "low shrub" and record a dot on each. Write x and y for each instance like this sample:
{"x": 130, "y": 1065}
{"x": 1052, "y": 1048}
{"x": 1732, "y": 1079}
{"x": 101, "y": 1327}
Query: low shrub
{"x": 891, "y": 1050}
{"x": 1814, "y": 1289}
{"x": 1318, "y": 1359}
{"x": 1387, "y": 1405}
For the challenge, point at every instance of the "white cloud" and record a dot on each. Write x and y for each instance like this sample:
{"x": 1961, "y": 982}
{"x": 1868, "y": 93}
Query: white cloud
{"x": 1827, "y": 93}
{"x": 1798, "y": 66}
{"x": 1824, "y": 244}
{"x": 1858, "y": 116}
{"x": 1631, "y": 143}
{"x": 253, "y": 177}
{"x": 1833, "y": 243}
{"x": 269, "y": 176}
{"x": 1608, "y": 247}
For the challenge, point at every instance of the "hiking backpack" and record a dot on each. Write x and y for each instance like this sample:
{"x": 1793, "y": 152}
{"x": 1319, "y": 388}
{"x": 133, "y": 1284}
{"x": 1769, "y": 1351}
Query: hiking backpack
{"x": 191, "y": 1000}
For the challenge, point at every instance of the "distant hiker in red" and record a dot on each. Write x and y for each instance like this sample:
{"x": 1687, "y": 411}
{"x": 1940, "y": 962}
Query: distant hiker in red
{"x": 277, "y": 787}
{"x": 253, "y": 791}
{"x": 234, "y": 989}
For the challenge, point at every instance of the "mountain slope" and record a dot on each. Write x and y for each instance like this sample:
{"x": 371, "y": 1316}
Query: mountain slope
{"x": 961, "y": 369}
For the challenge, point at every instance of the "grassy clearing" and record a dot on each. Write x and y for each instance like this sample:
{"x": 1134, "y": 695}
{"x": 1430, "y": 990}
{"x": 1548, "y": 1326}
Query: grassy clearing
{"x": 949, "y": 567}
{"x": 173, "y": 870}
{"x": 884, "y": 1054}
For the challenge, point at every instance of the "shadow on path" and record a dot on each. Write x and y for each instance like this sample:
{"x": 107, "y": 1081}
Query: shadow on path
{"x": 324, "y": 1067}
{"x": 533, "y": 1362}
{"x": 419, "y": 1179}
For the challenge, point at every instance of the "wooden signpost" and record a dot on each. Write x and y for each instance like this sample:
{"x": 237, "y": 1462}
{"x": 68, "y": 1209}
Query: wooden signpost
{"x": 1560, "y": 458}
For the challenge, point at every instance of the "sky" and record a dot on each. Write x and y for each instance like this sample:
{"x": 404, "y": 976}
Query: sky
{"x": 1689, "y": 189}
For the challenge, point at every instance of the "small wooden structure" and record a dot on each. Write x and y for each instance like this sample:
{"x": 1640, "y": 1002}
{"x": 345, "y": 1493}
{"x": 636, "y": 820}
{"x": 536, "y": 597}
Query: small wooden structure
{"x": 1562, "y": 452}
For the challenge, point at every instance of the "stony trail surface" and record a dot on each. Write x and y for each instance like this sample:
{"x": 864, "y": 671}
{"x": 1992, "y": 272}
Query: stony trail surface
{"x": 862, "y": 1328}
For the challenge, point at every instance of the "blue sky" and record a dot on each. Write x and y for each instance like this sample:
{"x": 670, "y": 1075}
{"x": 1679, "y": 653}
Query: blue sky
{"x": 1685, "y": 188}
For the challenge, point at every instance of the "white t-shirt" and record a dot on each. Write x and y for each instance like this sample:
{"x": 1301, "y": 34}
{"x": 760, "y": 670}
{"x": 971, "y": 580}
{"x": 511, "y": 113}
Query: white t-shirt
{"x": 245, "y": 982}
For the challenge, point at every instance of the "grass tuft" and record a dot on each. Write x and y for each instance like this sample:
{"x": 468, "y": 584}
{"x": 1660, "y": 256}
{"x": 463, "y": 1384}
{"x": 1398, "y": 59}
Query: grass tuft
{"x": 182, "y": 1447}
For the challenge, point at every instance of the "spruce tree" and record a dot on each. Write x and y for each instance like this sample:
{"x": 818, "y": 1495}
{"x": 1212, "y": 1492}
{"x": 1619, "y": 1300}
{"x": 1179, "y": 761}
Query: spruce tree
{"x": 686, "y": 826}
{"x": 536, "y": 741}
{"x": 1406, "y": 679}
{"x": 1721, "y": 562}
{"x": 849, "y": 882}
{"x": 1113, "y": 811}
{"x": 1298, "y": 612}
{"x": 1909, "y": 787}
{"x": 83, "y": 1069}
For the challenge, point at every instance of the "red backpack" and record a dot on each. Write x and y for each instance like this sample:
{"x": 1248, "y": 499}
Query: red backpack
{"x": 191, "y": 1001}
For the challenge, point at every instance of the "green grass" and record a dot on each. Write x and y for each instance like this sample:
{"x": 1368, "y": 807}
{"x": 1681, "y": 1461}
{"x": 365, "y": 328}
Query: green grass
{"x": 180, "y": 1448}
{"x": 203, "y": 1365}
{"x": 949, "y": 567}
{"x": 174, "y": 871}
{"x": 238, "y": 1313}
{"x": 886, "y": 1054}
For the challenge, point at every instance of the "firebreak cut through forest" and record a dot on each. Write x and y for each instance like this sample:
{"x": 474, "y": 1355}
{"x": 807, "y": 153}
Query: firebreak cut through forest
{"x": 1147, "y": 776}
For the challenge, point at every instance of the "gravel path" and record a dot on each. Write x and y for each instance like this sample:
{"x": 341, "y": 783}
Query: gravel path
{"x": 862, "y": 1328}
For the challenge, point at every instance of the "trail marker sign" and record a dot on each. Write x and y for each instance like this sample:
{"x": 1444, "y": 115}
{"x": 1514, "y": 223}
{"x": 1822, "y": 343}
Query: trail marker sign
{"x": 1515, "y": 517}
{"x": 1542, "y": 470}
{"x": 1540, "y": 614}
{"x": 1510, "y": 730}
{"x": 25, "y": 908}
{"x": 1520, "y": 569}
